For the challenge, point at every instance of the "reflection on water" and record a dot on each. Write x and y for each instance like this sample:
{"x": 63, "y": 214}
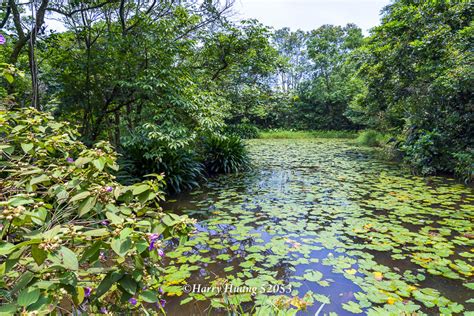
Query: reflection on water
{"x": 326, "y": 217}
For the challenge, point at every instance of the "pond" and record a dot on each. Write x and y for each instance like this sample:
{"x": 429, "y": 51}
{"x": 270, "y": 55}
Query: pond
{"x": 328, "y": 224}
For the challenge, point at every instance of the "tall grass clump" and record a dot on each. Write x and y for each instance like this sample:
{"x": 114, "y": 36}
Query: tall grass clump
{"x": 225, "y": 155}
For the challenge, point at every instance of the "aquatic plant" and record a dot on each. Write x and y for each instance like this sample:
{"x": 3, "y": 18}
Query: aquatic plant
{"x": 344, "y": 231}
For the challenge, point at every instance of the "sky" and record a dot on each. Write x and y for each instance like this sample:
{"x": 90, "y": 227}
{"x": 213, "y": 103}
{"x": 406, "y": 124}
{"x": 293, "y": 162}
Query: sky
{"x": 301, "y": 14}
{"x": 311, "y": 14}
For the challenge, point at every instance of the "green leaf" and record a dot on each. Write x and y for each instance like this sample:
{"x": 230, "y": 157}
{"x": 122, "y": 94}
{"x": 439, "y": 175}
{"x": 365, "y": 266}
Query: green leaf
{"x": 38, "y": 254}
{"x": 352, "y": 307}
{"x": 322, "y": 298}
{"x": 28, "y": 297}
{"x": 23, "y": 281}
{"x": 8, "y": 149}
{"x": 9, "y": 77}
{"x": 91, "y": 252}
{"x": 87, "y": 205}
{"x": 79, "y": 295}
{"x": 99, "y": 163}
{"x": 140, "y": 189}
{"x": 469, "y": 285}
{"x": 6, "y": 248}
{"x": 128, "y": 284}
{"x": 149, "y": 296}
{"x": 27, "y": 147}
{"x": 114, "y": 218}
{"x": 69, "y": 259}
{"x": 39, "y": 179}
{"x": 80, "y": 196}
{"x": 107, "y": 283}
{"x": 8, "y": 309}
{"x": 313, "y": 276}
{"x": 81, "y": 161}
{"x": 96, "y": 232}
{"x": 39, "y": 304}
{"x": 121, "y": 246}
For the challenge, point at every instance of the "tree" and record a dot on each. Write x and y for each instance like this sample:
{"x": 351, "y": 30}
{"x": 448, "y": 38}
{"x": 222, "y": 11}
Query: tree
{"x": 292, "y": 47}
{"x": 417, "y": 67}
{"x": 324, "y": 98}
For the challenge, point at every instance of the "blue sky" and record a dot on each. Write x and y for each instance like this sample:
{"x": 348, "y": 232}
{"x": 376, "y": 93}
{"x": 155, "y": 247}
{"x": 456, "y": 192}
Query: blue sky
{"x": 310, "y": 14}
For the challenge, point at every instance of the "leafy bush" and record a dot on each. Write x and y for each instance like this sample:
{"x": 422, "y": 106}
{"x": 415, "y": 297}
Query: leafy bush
{"x": 425, "y": 152}
{"x": 372, "y": 138}
{"x": 244, "y": 130}
{"x": 464, "y": 165}
{"x": 180, "y": 165}
{"x": 72, "y": 238}
{"x": 225, "y": 155}
{"x": 183, "y": 170}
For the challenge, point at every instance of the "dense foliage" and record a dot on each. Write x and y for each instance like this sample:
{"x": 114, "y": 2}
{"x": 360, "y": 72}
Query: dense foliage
{"x": 160, "y": 79}
{"x": 147, "y": 76}
{"x": 133, "y": 100}
{"x": 418, "y": 76}
{"x": 73, "y": 239}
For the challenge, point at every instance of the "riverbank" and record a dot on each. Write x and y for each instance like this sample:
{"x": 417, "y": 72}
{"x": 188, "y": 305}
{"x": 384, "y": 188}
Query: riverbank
{"x": 292, "y": 134}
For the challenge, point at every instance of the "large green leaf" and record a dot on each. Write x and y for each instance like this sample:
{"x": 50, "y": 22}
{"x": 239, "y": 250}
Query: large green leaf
{"x": 80, "y": 196}
{"x": 38, "y": 254}
{"x": 128, "y": 284}
{"x": 107, "y": 283}
{"x": 121, "y": 245}
{"x": 39, "y": 179}
{"x": 28, "y": 297}
{"x": 69, "y": 259}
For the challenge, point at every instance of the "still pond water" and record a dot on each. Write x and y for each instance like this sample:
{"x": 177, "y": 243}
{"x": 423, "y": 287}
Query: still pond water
{"x": 325, "y": 221}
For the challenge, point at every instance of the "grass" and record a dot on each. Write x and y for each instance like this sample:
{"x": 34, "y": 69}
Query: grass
{"x": 288, "y": 134}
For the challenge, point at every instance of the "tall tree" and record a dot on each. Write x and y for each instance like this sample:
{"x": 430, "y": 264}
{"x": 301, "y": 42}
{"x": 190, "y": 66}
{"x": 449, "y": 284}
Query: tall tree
{"x": 417, "y": 67}
{"x": 324, "y": 99}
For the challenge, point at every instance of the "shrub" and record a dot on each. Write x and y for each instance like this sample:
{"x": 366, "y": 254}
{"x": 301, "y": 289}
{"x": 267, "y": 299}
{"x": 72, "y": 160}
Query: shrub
{"x": 183, "y": 169}
{"x": 72, "y": 238}
{"x": 244, "y": 131}
{"x": 464, "y": 165}
{"x": 372, "y": 138}
{"x": 225, "y": 155}
{"x": 425, "y": 152}
{"x": 181, "y": 166}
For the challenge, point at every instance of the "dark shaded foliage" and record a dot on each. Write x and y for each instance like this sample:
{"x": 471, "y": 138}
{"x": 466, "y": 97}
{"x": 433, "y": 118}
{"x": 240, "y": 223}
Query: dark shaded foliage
{"x": 225, "y": 155}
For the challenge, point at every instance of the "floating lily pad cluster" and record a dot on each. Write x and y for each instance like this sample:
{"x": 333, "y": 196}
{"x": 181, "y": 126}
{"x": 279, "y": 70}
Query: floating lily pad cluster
{"x": 338, "y": 230}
